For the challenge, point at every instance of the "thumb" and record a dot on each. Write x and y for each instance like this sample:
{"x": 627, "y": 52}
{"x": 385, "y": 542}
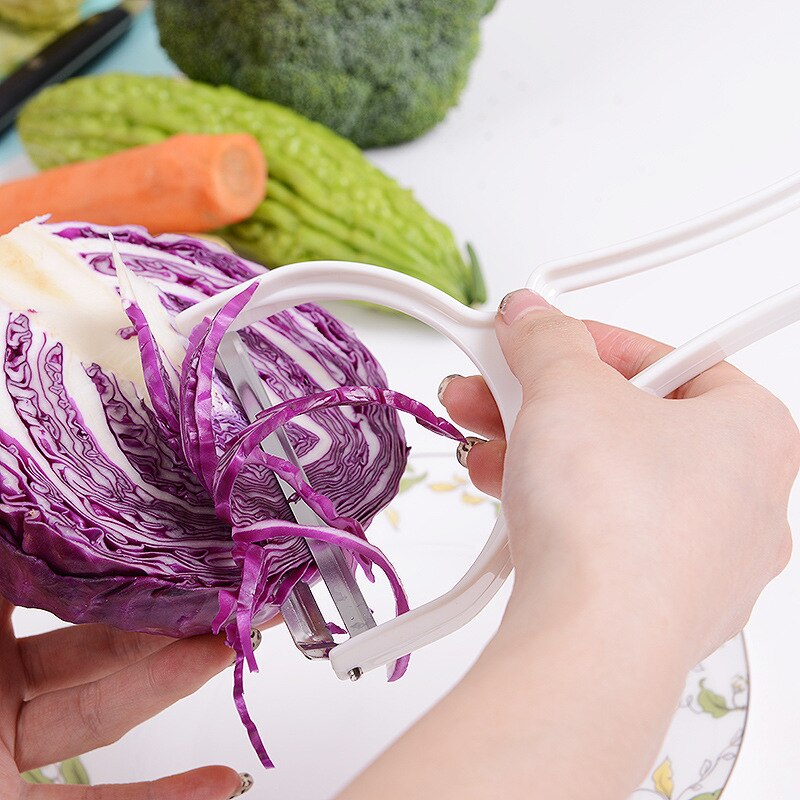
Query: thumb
{"x": 539, "y": 341}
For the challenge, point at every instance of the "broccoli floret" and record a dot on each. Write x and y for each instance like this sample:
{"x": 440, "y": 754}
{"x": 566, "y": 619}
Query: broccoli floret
{"x": 376, "y": 71}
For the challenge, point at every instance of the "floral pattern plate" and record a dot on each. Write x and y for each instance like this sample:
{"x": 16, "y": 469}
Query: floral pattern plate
{"x": 706, "y": 733}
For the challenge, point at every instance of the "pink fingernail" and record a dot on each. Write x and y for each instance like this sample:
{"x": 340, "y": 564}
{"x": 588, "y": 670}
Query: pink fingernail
{"x": 517, "y": 304}
{"x": 443, "y": 386}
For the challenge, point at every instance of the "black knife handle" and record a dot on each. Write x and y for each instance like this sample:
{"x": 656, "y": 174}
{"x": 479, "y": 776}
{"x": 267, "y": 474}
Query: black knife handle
{"x": 60, "y": 59}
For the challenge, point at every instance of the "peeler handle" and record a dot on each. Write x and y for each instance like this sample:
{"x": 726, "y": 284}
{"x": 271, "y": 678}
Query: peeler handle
{"x": 716, "y": 344}
{"x": 473, "y": 332}
{"x": 554, "y": 278}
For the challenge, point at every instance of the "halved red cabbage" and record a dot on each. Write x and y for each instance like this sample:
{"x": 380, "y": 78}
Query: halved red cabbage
{"x": 138, "y": 496}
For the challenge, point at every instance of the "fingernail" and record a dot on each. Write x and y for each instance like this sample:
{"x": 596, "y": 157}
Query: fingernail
{"x": 462, "y": 451}
{"x": 516, "y": 305}
{"x": 255, "y": 638}
{"x": 245, "y": 786}
{"x": 443, "y": 386}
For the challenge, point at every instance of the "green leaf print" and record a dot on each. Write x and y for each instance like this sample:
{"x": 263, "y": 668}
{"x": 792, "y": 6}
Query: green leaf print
{"x": 407, "y": 481}
{"x": 35, "y": 776}
{"x": 712, "y": 703}
{"x": 708, "y": 795}
{"x": 74, "y": 772}
{"x": 70, "y": 772}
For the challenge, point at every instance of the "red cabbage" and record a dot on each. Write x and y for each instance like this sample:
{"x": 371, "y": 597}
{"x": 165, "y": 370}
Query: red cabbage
{"x": 132, "y": 489}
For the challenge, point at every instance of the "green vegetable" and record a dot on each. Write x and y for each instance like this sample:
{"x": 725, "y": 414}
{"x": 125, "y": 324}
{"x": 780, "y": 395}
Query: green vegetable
{"x": 26, "y": 26}
{"x": 376, "y": 71}
{"x": 74, "y": 773}
{"x": 53, "y": 14}
{"x": 70, "y": 772}
{"x": 324, "y": 199}
{"x": 19, "y": 44}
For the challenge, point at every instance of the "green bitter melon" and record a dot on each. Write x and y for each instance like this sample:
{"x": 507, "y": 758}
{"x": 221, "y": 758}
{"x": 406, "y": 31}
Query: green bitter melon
{"x": 324, "y": 200}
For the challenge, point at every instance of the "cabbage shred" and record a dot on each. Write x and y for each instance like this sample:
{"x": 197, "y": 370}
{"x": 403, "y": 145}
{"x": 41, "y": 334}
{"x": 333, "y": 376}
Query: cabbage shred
{"x": 149, "y": 505}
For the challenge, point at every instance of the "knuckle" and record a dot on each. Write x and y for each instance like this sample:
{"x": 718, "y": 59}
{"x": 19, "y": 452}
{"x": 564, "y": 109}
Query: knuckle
{"x": 784, "y": 554}
{"x": 33, "y": 667}
{"x": 556, "y": 324}
{"x": 784, "y": 435}
{"x": 90, "y": 713}
{"x": 777, "y": 430}
{"x": 790, "y": 439}
{"x": 168, "y": 672}
{"x": 125, "y": 647}
{"x": 158, "y": 675}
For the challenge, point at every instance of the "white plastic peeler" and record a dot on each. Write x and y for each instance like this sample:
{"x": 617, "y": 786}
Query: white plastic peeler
{"x": 371, "y": 645}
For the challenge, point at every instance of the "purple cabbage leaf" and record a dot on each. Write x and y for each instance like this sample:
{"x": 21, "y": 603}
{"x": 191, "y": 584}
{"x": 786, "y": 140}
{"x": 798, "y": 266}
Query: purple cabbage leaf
{"x": 133, "y": 490}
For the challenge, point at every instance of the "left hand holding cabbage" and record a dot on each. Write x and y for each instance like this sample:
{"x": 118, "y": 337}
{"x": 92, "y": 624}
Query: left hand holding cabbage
{"x": 97, "y": 682}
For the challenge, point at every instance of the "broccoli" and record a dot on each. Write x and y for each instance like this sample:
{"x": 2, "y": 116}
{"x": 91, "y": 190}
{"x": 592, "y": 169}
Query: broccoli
{"x": 376, "y": 71}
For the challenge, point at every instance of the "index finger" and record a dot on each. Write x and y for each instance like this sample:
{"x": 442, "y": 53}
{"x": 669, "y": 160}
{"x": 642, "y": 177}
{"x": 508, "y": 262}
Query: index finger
{"x": 629, "y": 353}
{"x": 78, "y": 654}
{"x": 103, "y": 711}
{"x": 206, "y": 783}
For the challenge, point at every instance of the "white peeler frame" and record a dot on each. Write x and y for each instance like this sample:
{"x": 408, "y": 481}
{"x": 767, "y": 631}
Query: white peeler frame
{"x": 473, "y": 332}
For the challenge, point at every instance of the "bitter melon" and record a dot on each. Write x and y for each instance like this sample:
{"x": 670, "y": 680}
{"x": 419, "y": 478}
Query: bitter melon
{"x": 325, "y": 200}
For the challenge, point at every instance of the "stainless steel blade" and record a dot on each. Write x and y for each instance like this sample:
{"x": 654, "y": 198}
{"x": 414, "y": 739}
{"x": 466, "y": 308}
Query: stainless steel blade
{"x": 305, "y": 622}
{"x": 302, "y": 610}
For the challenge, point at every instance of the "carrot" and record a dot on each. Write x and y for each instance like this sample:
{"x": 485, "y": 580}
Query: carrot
{"x": 185, "y": 183}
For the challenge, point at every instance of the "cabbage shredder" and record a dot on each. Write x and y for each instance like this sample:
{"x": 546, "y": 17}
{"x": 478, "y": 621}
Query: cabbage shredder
{"x": 372, "y": 645}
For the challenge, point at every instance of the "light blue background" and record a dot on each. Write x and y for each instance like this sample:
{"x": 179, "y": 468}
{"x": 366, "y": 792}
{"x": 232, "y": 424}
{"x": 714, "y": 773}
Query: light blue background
{"x": 138, "y": 51}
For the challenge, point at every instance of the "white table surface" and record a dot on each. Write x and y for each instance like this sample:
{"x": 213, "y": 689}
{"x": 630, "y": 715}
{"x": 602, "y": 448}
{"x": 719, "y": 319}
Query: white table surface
{"x": 584, "y": 123}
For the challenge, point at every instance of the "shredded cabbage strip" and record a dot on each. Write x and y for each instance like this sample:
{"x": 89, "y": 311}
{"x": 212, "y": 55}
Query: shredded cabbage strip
{"x": 133, "y": 490}
{"x": 219, "y": 474}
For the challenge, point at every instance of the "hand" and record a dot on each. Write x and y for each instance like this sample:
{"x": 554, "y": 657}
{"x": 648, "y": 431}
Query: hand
{"x": 82, "y": 687}
{"x": 642, "y": 531}
{"x": 625, "y": 495}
